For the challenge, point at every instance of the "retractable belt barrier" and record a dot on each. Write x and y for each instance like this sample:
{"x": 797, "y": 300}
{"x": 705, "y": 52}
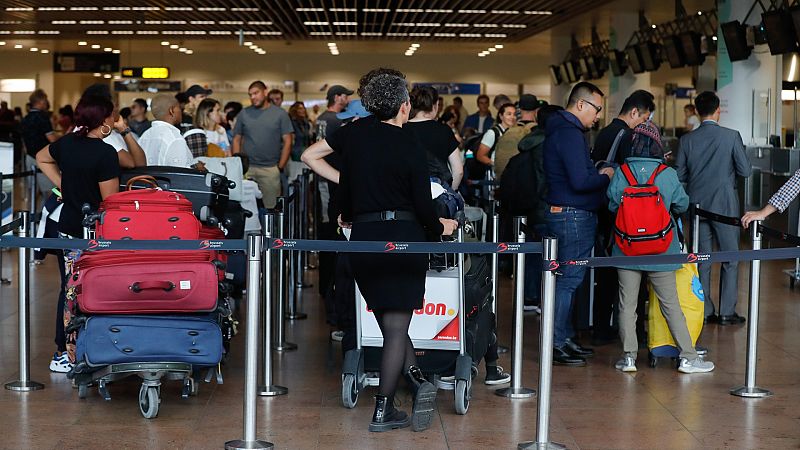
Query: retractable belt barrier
{"x": 727, "y": 220}
{"x": 779, "y": 235}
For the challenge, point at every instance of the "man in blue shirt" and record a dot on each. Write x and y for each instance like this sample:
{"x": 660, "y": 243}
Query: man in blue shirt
{"x": 482, "y": 120}
{"x": 575, "y": 191}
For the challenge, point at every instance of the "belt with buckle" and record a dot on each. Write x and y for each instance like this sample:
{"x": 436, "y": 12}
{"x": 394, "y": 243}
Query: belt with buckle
{"x": 383, "y": 216}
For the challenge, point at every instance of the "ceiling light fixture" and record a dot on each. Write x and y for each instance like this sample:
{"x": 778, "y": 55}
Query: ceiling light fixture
{"x": 20, "y": 9}
{"x": 45, "y": 51}
{"x": 457, "y": 25}
{"x": 211, "y": 9}
{"x": 97, "y": 74}
{"x": 108, "y": 49}
{"x": 63, "y": 22}
{"x": 189, "y": 52}
{"x": 34, "y": 49}
{"x": 409, "y": 10}
{"x": 316, "y": 23}
{"x": 107, "y": 76}
{"x": 95, "y": 46}
{"x": 259, "y": 22}
{"x": 18, "y": 46}
{"x": 345, "y": 24}
{"x": 174, "y": 46}
{"x": 116, "y": 51}
{"x": 343, "y": 9}
{"x": 514, "y": 25}
{"x": 178, "y": 8}
{"x": 539, "y": 13}
{"x": 164, "y": 42}
{"x": 472, "y": 11}
{"x": 51, "y": 8}
{"x": 245, "y": 9}
{"x": 310, "y": 9}
{"x": 495, "y": 35}
{"x": 81, "y": 43}
{"x": 376, "y": 10}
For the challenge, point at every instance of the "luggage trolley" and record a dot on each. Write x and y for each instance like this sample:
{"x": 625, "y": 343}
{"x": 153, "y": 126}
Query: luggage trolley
{"x": 449, "y": 337}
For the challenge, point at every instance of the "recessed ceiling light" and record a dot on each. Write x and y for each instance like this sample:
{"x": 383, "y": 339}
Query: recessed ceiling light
{"x": 97, "y": 32}
{"x": 714, "y": 38}
{"x": 178, "y": 8}
{"x": 51, "y": 8}
{"x": 409, "y": 10}
{"x": 315, "y": 23}
{"x": 18, "y": 46}
{"x": 116, "y": 52}
{"x": 83, "y": 8}
{"x": 117, "y": 77}
{"x": 419, "y": 34}
{"x": 472, "y": 11}
{"x": 146, "y": 8}
{"x": 92, "y": 22}
{"x": 108, "y": 49}
{"x": 371, "y": 34}
{"x": 82, "y": 43}
{"x": 245, "y": 9}
{"x": 230, "y": 22}
{"x": 504, "y": 11}
{"x": 492, "y": 49}
{"x": 201, "y": 22}
{"x": 45, "y": 51}
{"x": 417, "y": 24}
{"x": 470, "y": 35}
{"x": 514, "y": 25}
{"x": 539, "y": 13}
{"x": 108, "y": 75}
{"x": 2, "y": 43}
{"x": 63, "y": 22}
{"x": 376, "y": 10}
{"x": 164, "y": 42}
{"x": 444, "y": 34}
{"x": 498, "y": 46}
{"x": 259, "y": 22}
{"x": 174, "y": 46}
{"x": 116, "y": 8}
{"x": 345, "y": 24}
{"x": 95, "y": 46}
{"x": 189, "y": 52}
{"x": 481, "y": 54}
{"x": 457, "y": 25}
{"x": 415, "y": 45}
{"x": 500, "y": 35}
{"x": 182, "y": 49}
{"x": 342, "y": 9}
{"x": 439, "y": 11}
{"x": 210, "y": 9}
{"x": 97, "y": 74}
{"x": 310, "y": 9}
{"x": 320, "y": 33}
{"x": 248, "y": 43}
{"x": 34, "y": 49}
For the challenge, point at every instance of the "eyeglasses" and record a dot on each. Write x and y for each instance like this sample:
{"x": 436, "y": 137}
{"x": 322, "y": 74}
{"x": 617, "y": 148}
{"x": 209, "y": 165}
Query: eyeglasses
{"x": 597, "y": 108}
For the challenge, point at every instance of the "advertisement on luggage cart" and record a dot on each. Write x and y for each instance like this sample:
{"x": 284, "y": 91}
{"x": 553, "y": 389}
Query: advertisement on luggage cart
{"x": 436, "y": 321}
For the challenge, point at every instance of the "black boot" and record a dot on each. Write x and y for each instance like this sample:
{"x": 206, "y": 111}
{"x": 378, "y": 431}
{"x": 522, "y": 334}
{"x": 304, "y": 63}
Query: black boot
{"x": 386, "y": 417}
{"x": 424, "y": 399}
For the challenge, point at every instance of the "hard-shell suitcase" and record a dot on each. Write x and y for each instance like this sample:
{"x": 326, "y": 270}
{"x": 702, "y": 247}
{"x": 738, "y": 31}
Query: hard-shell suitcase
{"x": 175, "y": 283}
{"x": 207, "y": 191}
{"x": 234, "y": 220}
{"x": 146, "y": 214}
{"x": 106, "y": 340}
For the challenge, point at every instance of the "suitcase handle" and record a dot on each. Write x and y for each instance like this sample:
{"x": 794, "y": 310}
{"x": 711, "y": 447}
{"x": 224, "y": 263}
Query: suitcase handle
{"x": 139, "y": 286}
{"x": 145, "y": 178}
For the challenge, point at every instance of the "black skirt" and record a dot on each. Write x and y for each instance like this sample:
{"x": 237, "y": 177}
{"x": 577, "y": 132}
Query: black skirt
{"x": 390, "y": 281}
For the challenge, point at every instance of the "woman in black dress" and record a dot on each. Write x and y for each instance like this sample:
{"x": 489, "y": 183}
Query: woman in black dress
{"x": 385, "y": 194}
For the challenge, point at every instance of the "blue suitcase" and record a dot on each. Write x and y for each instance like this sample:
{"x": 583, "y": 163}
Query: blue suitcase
{"x": 106, "y": 340}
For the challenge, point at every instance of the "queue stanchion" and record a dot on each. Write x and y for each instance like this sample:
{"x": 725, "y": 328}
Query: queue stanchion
{"x": 3, "y": 281}
{"x": 750, "y": 389}
{"x": 303, "y": 228}
{"x": 696, "y": 229}
{"x": 24, "y": 383}
{"x": 34, "y": 187}
{"x": 250, "y": 442}
{"x": 295, "y": 269}
{"x": 516, "y": 390}
{"x": 280, "y": 343}
{"x": 549, "y": 259}
{"x": 267, "y": 389}
{"x": 496, "y": 272}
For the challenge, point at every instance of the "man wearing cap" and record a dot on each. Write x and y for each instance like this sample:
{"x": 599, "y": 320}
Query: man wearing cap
{"x": 338, "y": 98}
{"x": 195, "y": 137}
{"x": 506, "y": 146}
{"x": 264, "y": 133}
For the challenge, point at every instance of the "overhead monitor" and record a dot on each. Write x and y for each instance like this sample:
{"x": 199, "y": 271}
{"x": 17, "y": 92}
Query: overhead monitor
{"x": 556, "y": 75}
{"x": 673, "y": 50}
{"x": 692, "y": 49}
{"x": 573, "y": 71}
{"x": 780, "y": 33}
{"x": 635, "y": 58}
{"x": 618, "y": 63}
{"x": 651, "y": 58}
{"x": 735, "y": 35}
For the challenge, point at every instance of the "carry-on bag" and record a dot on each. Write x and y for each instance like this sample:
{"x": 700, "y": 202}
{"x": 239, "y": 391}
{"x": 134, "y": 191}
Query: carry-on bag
{"x": 106, "y": 340}
{"x": 146, "y": 214}
{"x": 175, "y": 283}
{"x": 234, "y": 220}
{"x": 229, "y": 167}
{"x": 691, "y": 298}
{"x": 208, "y": 192}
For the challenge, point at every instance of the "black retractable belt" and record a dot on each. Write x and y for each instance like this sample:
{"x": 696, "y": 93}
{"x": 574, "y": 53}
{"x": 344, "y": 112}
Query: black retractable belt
{"x": 383, "y": 216}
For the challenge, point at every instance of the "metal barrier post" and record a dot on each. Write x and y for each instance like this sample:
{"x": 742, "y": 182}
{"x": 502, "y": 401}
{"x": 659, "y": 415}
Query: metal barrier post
{"x": 267, "y": 389}
{"x": 24, "y": 383}
{"x": 696, "y": 229}
{"x": 280, "y": 343}
{"x": 516, "y": 390}
{"x": 254, "y": 254}
{"x": 549, "y": 258}
{"x": 295, "y": 266}
{"x": 750, "y": 389}
{"x": 34, "y": 187}
{"x": 303, "y": 223}
{"x": 495, "y": 261}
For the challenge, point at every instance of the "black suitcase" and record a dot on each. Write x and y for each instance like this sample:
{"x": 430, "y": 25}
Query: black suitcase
{"x": 207, "y": 191}
{"x": 234, "y": 219}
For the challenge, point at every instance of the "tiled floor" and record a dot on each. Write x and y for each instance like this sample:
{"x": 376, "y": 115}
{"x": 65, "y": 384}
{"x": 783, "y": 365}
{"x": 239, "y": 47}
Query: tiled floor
{"x": 592, "y": 407}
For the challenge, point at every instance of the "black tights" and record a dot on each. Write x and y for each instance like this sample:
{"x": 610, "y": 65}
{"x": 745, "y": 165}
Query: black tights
{"x": 398, "y": 352}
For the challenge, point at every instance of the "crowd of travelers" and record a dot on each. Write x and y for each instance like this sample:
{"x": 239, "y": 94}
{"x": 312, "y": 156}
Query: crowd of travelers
{"x": 380, "y": 152}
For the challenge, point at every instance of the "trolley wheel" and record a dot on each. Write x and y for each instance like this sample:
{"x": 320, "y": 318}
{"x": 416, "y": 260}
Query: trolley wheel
{"x": 791, "y": 281}
{"x": 462, "y": 395}
{"x": 149, "y": 401}
{"x": 83, "y": 390}
{"x": 190, "y": 388}
{"x": 349, "y": 391}
{"x": 652, "y": 360}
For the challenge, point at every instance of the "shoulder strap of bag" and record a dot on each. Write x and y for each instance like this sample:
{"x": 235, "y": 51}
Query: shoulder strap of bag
{"x": 193, "y": 131}
{"x": 629, "y": 177}
{"x": 659, "y": 169}
{"x": 613, "y": 153}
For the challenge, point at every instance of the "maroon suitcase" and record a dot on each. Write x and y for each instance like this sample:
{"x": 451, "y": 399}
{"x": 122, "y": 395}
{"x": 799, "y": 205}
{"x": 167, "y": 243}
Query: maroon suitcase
{"x": 147, "y": 214}
{"x": 111, "y": 282}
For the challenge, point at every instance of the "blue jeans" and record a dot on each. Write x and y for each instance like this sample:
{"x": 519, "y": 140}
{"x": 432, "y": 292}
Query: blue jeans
{"x": 575, "y": 230}
{"x": 533, "y": 264}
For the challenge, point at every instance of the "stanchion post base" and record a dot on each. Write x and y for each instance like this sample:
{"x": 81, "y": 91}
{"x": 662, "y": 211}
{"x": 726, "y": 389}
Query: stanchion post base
{"x": 510, "y": 392}
{"x": 24, "y": 386}
{"x": 502, "y": 349}
{"x": 271, "y": 390}
{"x": 753, "y": 392}
{"x": 248, "y": 445}
{"x": 284, "y": 347}
{"x": 541, "y": 445}
{"x": 297, "y": 316}
{"x": 303, "y": 285}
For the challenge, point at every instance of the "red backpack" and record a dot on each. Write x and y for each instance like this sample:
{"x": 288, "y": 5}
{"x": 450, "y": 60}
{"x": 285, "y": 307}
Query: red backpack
{"x": 643, "y": 225}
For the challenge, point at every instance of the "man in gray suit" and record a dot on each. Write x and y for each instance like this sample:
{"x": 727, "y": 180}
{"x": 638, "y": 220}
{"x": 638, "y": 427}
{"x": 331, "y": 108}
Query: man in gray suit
{"x": 709, "y": 160}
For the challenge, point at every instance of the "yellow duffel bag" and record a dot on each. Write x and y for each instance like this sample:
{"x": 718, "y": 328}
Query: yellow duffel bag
{"x": 691, "y": 297}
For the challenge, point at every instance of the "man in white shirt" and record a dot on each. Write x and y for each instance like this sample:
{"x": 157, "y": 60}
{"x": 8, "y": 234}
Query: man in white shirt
{"x": 162, "y": 142}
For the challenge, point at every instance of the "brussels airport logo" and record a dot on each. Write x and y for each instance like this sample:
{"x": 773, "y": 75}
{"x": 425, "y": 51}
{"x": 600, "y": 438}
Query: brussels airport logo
{"x": 578, "y": 262}
{"x": 435, "y": 309}
{"x": 210, "y": 245}
{"x": 697, "y": 257}
{"x": 394, "y": 247}
{"x": 503, "y": 247}
{"x": 553, "y": 265}
{"x": 94, "y": 244}
{"x": 280, "y": 243}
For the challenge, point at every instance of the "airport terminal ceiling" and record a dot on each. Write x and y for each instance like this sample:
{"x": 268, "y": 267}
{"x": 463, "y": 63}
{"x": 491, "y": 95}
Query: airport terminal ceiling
{"x": 387, "y": 20}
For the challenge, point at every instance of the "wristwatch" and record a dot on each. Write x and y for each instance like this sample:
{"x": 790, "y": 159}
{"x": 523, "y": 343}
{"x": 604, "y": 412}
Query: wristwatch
{"x": 125, "y": 132}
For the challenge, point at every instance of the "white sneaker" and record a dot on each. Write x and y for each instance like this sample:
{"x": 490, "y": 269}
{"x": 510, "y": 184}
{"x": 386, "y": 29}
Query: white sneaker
{"x": 60, "y": 363}
{"x": 337, "y": 335}
{"x": 626, "y": 364}
{"x": 695, "y": 366}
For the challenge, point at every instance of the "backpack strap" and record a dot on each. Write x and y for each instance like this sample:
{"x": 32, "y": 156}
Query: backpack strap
{"x": 626, "y": 171}
{"x": 659, "y": 169}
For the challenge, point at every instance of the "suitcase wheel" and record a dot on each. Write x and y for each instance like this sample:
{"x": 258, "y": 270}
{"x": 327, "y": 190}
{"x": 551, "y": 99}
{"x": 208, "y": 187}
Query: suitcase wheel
{"x": 149, "y": 401}
{"x": 190, "y": 388}
{"x": 83, "y": 390}
{"x": 349, "y": 391}
{"x": 462, "y": 396}
{"x": 652, "y": 360}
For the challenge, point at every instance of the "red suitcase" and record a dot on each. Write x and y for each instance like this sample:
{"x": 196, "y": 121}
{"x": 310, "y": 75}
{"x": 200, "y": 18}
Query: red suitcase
{"x": 156, "y": 282}
{"x": 147, "y": 214}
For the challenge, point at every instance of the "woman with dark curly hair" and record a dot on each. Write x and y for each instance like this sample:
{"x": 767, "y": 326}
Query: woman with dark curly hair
{"x": 385, "y": 195}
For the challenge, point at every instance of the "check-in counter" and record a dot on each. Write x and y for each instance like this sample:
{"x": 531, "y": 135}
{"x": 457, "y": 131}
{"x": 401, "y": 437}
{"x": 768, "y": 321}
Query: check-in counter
{"x": 772, "y": 167}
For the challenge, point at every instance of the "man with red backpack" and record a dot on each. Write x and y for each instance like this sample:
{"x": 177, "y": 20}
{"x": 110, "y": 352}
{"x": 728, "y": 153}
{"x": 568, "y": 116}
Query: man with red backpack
{"x": 643, "y": 193}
